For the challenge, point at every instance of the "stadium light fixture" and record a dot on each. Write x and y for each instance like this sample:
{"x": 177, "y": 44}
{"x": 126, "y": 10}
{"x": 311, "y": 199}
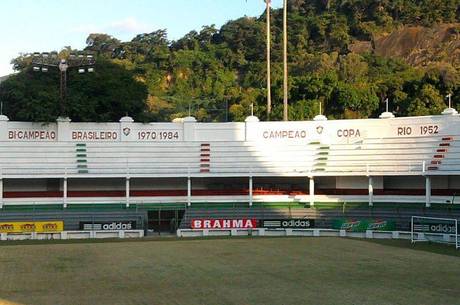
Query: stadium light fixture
{"x": 81, "y": 62}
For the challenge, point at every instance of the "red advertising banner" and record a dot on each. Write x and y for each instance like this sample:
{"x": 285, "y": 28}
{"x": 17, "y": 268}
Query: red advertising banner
{"x": 224, "y": 223}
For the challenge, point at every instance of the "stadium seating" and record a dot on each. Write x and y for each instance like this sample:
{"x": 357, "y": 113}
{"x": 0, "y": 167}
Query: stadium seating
{"x": 369, "y": 155}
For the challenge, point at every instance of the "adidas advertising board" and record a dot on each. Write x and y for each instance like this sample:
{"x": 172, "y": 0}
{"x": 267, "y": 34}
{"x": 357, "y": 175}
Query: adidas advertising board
{"x": 435, "y": 227}
{"x": 108, "y": 226}
{"x": 300, "y": 223}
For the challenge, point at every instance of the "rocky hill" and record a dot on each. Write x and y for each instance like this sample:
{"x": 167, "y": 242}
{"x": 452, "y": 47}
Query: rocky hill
{"x": 421, "y": 46}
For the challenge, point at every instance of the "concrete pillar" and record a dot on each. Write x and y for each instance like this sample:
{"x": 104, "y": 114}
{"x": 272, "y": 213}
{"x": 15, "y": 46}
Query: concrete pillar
{"x": 3, "y": 128}
{"x": 127, "y": 188}
{"x": 189, "y": 191}
{"x": 250, "y": 129}
{"x": 427, "y": 191}
{"x": 64, "y": 192}
{"x": 63, "y": 129}
{"x": 189, "y": 125}
{"x": 126, "y": 126}
{"x": 371, "y": 192}
{"x": 250, "y": 191}
{"x": 1, "y": 192}
{"x": 312, "y": 191}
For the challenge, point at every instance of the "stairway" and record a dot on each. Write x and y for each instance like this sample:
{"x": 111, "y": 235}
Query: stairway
{"x": 81, "y": 158}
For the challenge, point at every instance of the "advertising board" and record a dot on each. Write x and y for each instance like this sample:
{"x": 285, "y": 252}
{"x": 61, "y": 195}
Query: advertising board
{"x": 362, "y": 225}
{"x": 31, "y": 226}
{"x": 224, "y": 223}
{"x": 294, "y": 223}
{"x": 434, "y": 226}
{"x": 107, "y": 225}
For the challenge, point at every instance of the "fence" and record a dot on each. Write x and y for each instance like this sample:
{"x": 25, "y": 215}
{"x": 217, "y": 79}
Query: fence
{"x": 72, "y": 235}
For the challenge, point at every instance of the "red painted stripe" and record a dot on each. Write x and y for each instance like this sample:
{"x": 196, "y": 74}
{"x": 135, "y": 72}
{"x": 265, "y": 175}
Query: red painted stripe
{"x": 441, "y": 150}
{"x": 204, "y": 170}
{"x": 435, "y": 162}
{"x": 204, "y": 155}
{"x": 204, "y": 160}
{"x": 158, "y": 193}
{"x": 228, "y": 192}
{"x": 447, "y": 139}
{"x": 439, "y": 156}
{"x": 444, "y": 144}
{"x": 205, "y": 144}
{"x": 432, "y": 168}
{"x": 35, "y": 194}
{"x": 205, "y": 149}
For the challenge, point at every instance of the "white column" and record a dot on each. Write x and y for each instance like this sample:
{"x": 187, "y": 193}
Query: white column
{"x": 63, "y": 129}
{"x": 371, "y": 192}
{"x": 64, "y": 192}
{"x": 1, "y": 192}
{"x": 3, "y": 128}
{"x": 312, "y": 191}
{"x": 250, "y": 191}
{"x": 427, "y": 191}
{"x": 127, "y": 191}
{"x": 189, "y": 125}
{"x": 189, "y": 191}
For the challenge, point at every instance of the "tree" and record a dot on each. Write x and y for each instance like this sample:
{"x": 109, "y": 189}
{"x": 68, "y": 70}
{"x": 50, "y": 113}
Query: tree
{"x": 102, "y": 44}
{"x": 106, "y": 95}
{"x": 212, "y": 67}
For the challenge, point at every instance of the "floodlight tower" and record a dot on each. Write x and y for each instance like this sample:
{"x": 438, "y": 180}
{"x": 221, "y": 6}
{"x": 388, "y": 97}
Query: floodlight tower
{"x": 82, "y": 62}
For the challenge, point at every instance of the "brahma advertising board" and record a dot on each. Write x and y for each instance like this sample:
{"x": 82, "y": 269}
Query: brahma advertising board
{"x": 224, "y": 223}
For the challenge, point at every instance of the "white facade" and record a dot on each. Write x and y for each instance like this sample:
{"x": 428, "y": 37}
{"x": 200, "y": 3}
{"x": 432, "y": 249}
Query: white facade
{"x": 363, "y": 154}
{"x": 399, "y": 146}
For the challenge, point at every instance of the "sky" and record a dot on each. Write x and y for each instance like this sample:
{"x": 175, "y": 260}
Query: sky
{"x": 45, "y": 25}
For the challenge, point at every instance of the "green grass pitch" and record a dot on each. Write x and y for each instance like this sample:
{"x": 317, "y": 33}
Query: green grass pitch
{"x": 239, "y": 271}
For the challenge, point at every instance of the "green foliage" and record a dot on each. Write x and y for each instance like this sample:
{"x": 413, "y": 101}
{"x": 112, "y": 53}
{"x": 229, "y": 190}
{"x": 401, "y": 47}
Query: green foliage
{"x": 217, "y": 74}
{"x": 106, "y": 95}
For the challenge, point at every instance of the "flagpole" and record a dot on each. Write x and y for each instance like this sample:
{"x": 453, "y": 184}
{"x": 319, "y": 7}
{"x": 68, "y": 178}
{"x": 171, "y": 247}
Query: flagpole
{"x": 285, "y": 80}
{"x": 449, "y": 96}
{"x": 269, "y": 93}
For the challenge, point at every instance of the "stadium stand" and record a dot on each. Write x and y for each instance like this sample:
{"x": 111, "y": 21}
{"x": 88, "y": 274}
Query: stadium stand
{"x": 191, "y": 167}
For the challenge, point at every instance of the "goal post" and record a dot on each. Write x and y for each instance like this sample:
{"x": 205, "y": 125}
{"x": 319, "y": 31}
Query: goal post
{"x": 434, "y": 229}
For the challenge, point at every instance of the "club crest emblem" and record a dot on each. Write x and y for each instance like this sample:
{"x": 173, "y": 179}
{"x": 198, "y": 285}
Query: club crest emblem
{"x": 126, "y": 131}
{"x": 319, "y": 129}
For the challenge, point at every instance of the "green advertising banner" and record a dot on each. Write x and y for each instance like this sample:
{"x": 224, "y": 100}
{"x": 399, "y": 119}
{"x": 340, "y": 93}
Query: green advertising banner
{"x": 361, "y": 225}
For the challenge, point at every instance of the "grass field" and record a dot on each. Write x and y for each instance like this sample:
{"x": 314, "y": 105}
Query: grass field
{"x": 230, "y": 271}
